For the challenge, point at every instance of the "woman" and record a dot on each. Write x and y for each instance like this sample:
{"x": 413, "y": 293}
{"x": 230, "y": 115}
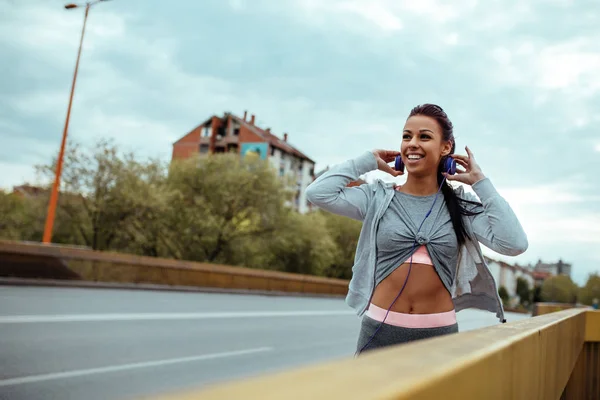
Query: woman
{"x": 425, "y": 230}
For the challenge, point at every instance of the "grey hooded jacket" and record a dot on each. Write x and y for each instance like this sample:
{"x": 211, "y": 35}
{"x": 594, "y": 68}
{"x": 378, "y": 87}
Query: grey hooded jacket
{"x": 496, "y": 227}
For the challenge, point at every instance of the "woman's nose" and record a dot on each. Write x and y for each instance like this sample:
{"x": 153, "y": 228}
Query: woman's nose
{"x": 413, "y": 142}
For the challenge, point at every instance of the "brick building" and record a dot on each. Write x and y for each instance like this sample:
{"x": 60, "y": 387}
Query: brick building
{"x": 231, "y": 133}
{"x": 28, "y": 191}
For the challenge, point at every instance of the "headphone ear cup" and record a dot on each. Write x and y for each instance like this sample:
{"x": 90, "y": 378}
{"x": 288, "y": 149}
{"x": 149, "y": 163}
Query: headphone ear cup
{"x": 399, "y": 165}
{"x": 450, "y": 165}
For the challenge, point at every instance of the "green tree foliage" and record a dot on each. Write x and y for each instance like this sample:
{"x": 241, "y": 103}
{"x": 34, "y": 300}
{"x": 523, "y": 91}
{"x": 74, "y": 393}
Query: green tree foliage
{"x": 219, "y": 209}
{"x": 13, "y": 215}
{"x": 559, "y": 289}
{"x": 344, "y": 232}
{"x": 302, "y": 244}
{"x": 591, "y": 290}
{"x": 220, "y": 201}
{"x": 105, "y": 196}
{"x": 523, "y": 292}
{"x": 536, "y": 294}
{"x": 22, "y": 218}
{"x": 503, "y": 293}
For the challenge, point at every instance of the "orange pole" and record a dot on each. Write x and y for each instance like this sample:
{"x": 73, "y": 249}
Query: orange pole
{"x": 55, "y": 187}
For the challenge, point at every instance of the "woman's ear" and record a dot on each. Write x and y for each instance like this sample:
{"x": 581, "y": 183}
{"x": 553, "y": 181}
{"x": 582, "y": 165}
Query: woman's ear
{"x": 447, "y": 148}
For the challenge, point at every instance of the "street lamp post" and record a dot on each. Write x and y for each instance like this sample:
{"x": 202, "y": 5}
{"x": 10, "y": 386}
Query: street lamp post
{"x": 55, "y": 187}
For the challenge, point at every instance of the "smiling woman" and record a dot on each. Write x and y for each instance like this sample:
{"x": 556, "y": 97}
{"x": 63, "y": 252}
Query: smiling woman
{"x": 413, "y": 226}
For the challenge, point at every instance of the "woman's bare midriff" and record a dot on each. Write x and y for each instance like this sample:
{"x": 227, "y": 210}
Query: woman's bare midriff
{"x": 424, "y": 292}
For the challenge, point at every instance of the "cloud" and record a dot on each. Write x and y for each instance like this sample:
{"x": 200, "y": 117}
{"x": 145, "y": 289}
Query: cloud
{"x": 547, "y": 194}
{"x": 17, "y": 173}
{"x": 346, "y": 14}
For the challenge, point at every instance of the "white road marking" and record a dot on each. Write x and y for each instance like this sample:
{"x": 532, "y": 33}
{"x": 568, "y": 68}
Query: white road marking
{"x": 23, "y": 319}
{"x": 125, "y": 367}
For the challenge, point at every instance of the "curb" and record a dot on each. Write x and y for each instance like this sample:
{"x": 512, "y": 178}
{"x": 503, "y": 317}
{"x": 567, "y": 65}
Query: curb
{"x": 152, "y": 287}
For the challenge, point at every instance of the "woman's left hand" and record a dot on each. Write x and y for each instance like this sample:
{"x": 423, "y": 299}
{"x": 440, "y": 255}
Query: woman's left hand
{"x": 472, "y": 172}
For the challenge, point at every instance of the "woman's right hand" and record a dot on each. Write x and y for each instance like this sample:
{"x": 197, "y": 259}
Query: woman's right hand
{"x": 384, "y": 157}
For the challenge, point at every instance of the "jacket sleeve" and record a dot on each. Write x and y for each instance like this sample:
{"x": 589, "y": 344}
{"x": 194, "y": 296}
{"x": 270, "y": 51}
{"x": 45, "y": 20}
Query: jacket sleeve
{"x": 496, "y": 226}
{"x": 329, "y": 191}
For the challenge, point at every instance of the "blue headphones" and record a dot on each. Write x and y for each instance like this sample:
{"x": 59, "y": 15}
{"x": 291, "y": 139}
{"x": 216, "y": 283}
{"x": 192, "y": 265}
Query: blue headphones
{"x": 450, "y": 168}
{"x": 449, "y": 165}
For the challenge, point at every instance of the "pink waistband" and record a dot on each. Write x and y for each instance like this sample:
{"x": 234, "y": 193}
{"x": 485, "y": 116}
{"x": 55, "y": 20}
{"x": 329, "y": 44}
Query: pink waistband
{"x": 412, "y": 320}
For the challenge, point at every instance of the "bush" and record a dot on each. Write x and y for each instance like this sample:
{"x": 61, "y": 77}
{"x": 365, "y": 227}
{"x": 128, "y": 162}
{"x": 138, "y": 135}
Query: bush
{"x": 591, "y": 290}
{"x": 536, "y": 294}
{"x": 523, "y": 292}
{"x": 560, "y": 289}
{"x": 503, "y": 293}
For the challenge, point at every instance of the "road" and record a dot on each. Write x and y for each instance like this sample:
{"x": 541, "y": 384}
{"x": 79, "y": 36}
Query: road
{"x": 68, "y": 343}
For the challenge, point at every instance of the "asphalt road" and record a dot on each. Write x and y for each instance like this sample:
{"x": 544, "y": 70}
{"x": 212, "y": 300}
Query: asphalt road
{"x": 66, "y": 343}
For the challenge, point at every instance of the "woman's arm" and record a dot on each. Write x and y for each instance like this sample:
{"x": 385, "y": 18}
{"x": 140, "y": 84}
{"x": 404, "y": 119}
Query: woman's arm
{"x": 330, "y": 192}
{"x": 496, "y": 226}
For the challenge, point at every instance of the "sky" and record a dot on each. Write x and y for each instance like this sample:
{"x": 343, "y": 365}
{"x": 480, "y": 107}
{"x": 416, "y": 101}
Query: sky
{"x": 519, "y": 80}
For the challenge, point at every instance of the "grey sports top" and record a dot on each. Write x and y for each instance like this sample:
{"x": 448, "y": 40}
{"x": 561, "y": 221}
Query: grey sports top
{"x": 397, "y": 232}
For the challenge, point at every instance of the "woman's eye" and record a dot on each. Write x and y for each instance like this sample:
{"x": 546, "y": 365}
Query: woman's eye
{"x": 425, "y": 137}
{"x": 406, "y": 137}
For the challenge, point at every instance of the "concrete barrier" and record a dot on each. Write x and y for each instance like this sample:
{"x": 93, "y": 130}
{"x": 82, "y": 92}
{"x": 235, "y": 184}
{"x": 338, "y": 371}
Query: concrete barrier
{"x": 51, "y": 262}
{"x": 549, "y": 307}
{"x": 553, "y": 356}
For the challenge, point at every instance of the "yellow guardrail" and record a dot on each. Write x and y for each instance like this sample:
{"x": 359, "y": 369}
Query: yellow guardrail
{"x": 553, "y": 356}
{"x": 545, "y": 308}
{"x": 40, "y": 261}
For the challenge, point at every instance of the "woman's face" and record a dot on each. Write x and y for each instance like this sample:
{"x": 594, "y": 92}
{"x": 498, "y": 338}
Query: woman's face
{"x": 423, "y": 145}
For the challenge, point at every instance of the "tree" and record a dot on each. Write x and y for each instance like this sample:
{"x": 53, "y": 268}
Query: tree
{"x": 591, "y": 290}
{"x": 221, "y": 200}
{"x": 503, "y": 293}
{"x": 103, "y": 195}
{"x": 12, "y": 215}
{"x": 560, "y": 289}
{"x": 147, "y": 231}
{"x": 523, "y": 292}
{"x": 345, "y": 233}
{"x": 22, "y": 218}
{"x": 302, "y": 244}
{"x": 536, "y": 294}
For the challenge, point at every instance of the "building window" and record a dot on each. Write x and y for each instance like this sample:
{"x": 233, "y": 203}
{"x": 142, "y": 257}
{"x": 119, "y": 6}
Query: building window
{"x": 206, "y": 131}
{"x": 236, "y": 132}
{"x": 203, "y": 148}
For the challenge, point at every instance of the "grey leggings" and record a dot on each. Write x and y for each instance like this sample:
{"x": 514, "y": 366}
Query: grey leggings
{"x": 389, "y": 335}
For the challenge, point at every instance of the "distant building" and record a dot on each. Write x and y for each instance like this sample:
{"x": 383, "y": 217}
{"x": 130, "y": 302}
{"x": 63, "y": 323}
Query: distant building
{"x": 28, "y": 191}
{"x": 559, "y": 268}
{"x": 525, "y": 273}
{"x": 232, "y": 134}
{"x": 540, "y": 276}
{"x": 506, "y": 275}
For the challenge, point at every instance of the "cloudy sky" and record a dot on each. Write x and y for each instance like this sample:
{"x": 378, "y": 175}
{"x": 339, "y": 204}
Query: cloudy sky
{"x": 519, "y": 80}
